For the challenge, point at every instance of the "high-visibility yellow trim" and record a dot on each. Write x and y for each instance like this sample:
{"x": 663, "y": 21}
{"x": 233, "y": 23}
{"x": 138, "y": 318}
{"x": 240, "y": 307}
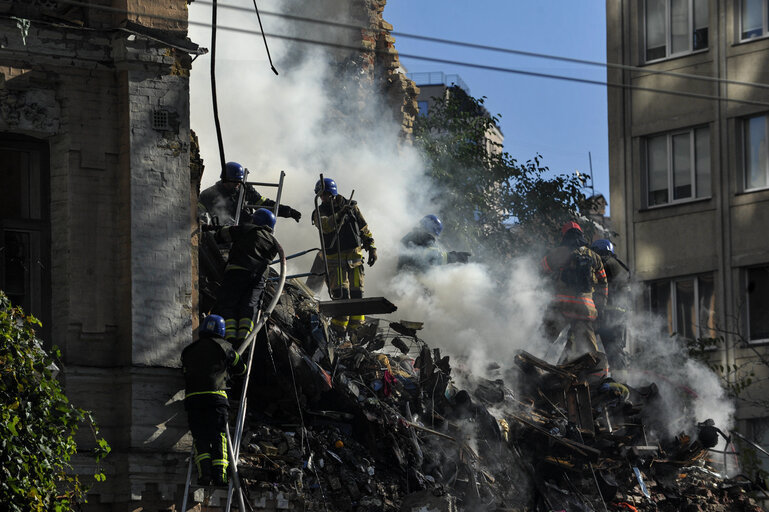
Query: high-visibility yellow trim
{"x": 220, "y": 392}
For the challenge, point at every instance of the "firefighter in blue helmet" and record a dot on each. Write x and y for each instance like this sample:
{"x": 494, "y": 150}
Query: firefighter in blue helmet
{"x": 420, "y": 248}
{"x": 345, "y": 234}
{"x": 613, "y": 318}
{"x": 206, "y": 364}
{"x": 221, "y": 199}
{"x": 253, "y": 248}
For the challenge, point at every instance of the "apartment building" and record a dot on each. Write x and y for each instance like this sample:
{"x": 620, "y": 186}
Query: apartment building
{"x": 689, "y": 169}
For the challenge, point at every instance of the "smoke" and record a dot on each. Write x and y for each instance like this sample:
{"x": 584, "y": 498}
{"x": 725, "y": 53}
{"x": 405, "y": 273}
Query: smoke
{"x": 322, "y": 116}
{"x": 689, "y": 391}
{"x": 314, "y": 117}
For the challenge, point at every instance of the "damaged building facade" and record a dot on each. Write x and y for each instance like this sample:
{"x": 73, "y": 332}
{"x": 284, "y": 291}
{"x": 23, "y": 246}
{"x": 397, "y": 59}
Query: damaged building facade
{"x": 689, "y": 175}
{"x": 96, "y": 217}
{"x": 98, "y": 196}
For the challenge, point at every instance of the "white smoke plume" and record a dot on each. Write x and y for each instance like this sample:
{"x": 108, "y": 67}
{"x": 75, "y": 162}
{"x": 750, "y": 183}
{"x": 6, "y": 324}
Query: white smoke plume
{"x": 291, "y": 122}
{"x": 297, "y": 123}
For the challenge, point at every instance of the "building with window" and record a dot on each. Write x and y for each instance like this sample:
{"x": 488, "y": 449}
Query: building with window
{"x": 689, "y": 168}
{"x": 96, "y": 218}
{"x": 436, "y": 84}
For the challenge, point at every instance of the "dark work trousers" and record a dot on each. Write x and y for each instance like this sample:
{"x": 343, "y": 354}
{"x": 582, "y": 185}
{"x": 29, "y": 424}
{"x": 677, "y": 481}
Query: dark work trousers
{"x": 208, "y": 427}
{"x": 237, "y": 300}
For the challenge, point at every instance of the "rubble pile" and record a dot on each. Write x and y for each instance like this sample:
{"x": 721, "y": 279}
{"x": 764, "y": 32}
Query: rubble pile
{"x": 386, "y": 423}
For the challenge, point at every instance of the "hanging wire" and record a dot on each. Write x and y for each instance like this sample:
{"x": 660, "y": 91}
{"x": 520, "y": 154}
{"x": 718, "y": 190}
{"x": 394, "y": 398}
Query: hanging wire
{"x": 213, "y": 91}
{"x": 267, "y": 48}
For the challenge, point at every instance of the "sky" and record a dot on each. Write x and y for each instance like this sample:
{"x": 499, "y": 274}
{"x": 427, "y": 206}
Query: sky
{"x": 561, "y": 120}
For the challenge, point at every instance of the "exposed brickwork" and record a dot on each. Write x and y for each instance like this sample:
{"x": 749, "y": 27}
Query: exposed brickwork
{"x": 121, "y": 222}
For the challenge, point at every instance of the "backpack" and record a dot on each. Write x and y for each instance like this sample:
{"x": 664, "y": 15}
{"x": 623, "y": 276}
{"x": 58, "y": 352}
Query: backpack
{"x": 578, "y": 273}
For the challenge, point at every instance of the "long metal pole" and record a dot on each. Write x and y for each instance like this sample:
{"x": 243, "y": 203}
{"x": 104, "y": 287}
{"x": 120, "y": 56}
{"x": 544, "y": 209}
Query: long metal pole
{"x": 189, "y": 477}
{"x": 235, "y": 478}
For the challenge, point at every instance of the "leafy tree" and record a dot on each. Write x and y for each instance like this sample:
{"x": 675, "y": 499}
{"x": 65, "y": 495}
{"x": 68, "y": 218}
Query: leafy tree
{"x": 487, "y": 197}
{"x": 38, "y": 424}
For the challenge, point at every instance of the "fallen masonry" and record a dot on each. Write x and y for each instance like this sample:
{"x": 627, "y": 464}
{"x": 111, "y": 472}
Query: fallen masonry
{"x": 385, "y": 423}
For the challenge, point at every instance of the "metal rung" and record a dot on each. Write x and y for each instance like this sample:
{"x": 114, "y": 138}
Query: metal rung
{"x": 367, "y": 306}
{"x": 262, "y": 184}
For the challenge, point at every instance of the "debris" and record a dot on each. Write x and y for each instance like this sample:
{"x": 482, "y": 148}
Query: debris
{"x": 368, "y": 428}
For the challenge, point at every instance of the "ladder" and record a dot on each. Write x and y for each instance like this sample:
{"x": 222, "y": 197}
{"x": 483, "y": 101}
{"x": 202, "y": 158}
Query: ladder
{"x": 233, "y": 448}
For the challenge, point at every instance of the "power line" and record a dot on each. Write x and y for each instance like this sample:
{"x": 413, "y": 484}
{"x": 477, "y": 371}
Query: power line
{"x": 511, "y": 51}
{"x": 435, "y": 59}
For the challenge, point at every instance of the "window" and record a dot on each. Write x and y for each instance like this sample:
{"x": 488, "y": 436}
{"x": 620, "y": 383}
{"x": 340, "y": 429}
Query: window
{"x": 756, "y": 163}
{"x": 678, "y": 166}
{"x": 675, "y": 27}
{"x": 753, "y": 19}
{"x": 24, "y": 226}
{"x": 423, "y": 107}
{"x": 688, "y": 304}
{"x": 757, "y": 288}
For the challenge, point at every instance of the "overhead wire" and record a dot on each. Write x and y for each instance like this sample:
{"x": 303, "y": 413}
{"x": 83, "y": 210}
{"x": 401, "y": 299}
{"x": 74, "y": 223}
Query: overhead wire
{"x": 447, "y": 61}
{"x": 500, "y": 49}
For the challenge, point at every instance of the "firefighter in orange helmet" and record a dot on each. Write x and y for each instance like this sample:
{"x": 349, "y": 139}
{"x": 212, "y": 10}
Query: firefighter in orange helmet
{"x": 580, "y": 291}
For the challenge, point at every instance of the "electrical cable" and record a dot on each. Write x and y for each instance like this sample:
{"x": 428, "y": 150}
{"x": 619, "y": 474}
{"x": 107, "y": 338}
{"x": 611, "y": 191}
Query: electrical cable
{"x": 477, "y": 46}
{"x": 454, "y": 62}
{"x": 266, "y": 47}
{"x": 222, "y": 160}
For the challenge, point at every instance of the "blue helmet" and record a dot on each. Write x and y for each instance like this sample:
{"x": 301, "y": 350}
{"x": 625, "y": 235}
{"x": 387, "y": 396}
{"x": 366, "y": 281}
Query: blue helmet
{"x": 603, "y": 246}
{"x": 263, "y": 217}
{"x": 432, "y": 224}
{"x": 233, "y": 171}
{"x": 328, "y": 185}
{"x": 213, "y": 324}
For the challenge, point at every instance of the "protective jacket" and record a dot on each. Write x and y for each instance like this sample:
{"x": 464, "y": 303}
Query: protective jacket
{"x": 353, "y": 230}
{"x": 206, "y": 363}
{"x": 222, "y": 202}
{"x": 253, "y": 247}
{"x": 581, "y": 286}
{"x": 619, "y": 282}
{"x": 420, "y": 250}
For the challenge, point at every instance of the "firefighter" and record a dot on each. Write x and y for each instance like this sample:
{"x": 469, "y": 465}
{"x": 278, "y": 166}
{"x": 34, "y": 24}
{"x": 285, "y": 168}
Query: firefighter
{"x": 206, "y": 364}
{"x": 345, "y": 234}
{"x": 253, "y": 248}
{"x": 221, "y": 199}
{"x": 580, "y": 291}
{"x": 612, "y": 320}
{"x": 420, "y": 248}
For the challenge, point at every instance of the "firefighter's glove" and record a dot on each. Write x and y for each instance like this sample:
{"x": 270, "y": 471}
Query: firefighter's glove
{"x": 458, "y": 257}
{"x": 372, "y": 256}
{"x": 296, "y": 214}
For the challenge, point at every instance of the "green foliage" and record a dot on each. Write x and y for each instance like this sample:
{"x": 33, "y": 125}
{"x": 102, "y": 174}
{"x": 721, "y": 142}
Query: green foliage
{"x": 38, "y": 427}
{"x": 486, "y": 196}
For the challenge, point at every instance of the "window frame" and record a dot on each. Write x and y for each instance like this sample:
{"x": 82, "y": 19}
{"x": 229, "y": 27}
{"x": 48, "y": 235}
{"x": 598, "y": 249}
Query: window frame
{"x": 746, "y": 294}
{"x": 673, "y": 296}
{"x": 668, "y": 33}
{"x": 692, "y": 131}
{"x": 37, "y": 227}
{"x": 764, "y": 22}
{"x": 744, "y": 154}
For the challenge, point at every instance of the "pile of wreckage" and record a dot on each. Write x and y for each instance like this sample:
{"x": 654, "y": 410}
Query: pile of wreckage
{"x": 382, "y": 424}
